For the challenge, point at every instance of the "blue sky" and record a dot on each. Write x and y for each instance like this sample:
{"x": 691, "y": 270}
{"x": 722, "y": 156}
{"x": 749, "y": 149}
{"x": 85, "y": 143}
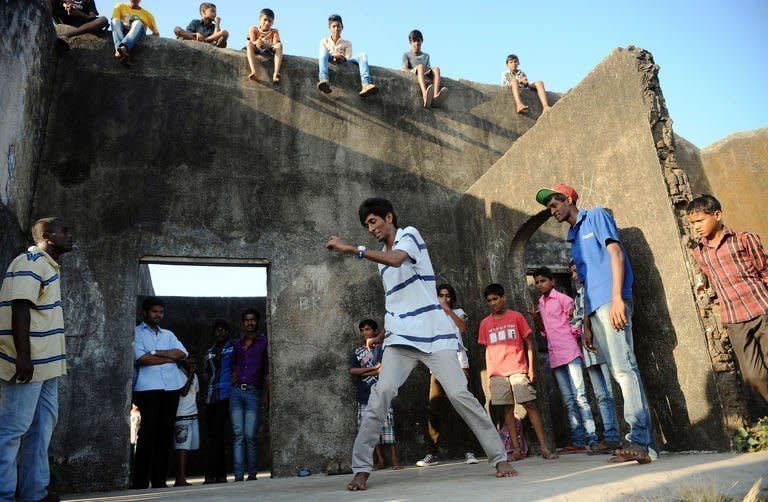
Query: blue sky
{"x": 712, "y": 54}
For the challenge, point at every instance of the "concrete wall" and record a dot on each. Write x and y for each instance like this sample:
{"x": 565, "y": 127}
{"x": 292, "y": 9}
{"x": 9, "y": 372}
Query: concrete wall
{"x": 26, "y": 80}
{"x": 615, "y": 162}
{"x": 183, "y": 156}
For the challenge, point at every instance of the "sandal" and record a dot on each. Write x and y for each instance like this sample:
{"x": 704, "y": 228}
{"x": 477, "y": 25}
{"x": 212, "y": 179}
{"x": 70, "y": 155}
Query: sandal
{"x": 632, "y": 453}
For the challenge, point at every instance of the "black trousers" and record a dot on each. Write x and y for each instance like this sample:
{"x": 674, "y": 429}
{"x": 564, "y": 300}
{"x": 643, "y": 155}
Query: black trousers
{"x": 750, "y": 344}
{"x": 158, "y": 414}
{"x": 217, "y": 423}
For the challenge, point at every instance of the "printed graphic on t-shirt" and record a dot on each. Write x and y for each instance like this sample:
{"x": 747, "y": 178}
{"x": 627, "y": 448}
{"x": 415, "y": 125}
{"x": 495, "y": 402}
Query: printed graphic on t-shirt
{"x": 502, "y": 334}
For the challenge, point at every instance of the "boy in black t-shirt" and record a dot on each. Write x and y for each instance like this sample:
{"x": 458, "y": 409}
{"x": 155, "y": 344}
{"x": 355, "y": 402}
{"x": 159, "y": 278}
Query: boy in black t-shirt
{"x": 80, "y": 14}
{"x": 206, "y": 29}
{"x": 364, "y": 364}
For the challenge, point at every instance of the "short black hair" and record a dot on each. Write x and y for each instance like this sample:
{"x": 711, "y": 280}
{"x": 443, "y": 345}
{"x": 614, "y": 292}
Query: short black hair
{"x": 557, "y": 196}
{"x": 415, "y": 35}
{"x": 704, "y": 203}
{"x": 544, "y": 272}
{"x": 493, "y": 289}
{"x": 378, "y": 206}
{"x": 151, "y": 301}
{"x": 252, "y": 312}
{"x": 267, "y": 12}
{"x": 335, "y": 17}
{"x": 451, "y": 292}
{"x": 369, "y": 323}
{"x": 206, "y": 5}
{"x": 43, "y": 225}
{"x": 512, "y": 57}
{"x": 220, "y": 323}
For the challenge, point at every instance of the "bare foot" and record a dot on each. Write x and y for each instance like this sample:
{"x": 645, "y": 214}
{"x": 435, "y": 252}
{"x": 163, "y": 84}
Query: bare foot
{"x": 521, "y": 108}
{"x": 547, "y": 455}
{"x": 359, "y": 482}
{"x": 252, "y": 76}
{"x": 397, "y": 466}
{"x": 276, "y": 78}
{"x": 545, "y": 109}
{"x": 378, "y": 466}
{"x": 505, "y": 470}
{"x": 515, "y": 456}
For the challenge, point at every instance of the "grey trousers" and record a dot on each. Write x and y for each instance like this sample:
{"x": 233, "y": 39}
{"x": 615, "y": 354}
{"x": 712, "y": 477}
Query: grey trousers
{"x": 396, "y": 365}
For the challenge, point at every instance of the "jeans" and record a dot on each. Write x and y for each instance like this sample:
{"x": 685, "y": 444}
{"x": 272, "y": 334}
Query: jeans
{"x": 570, "y": 379}
{"x": 28, "y": 413}
{"x": 361, "y": 61}
{"x": 135, "y": 33}
{"x": 244, "y": 409}
{"x": 619, "y": 353}
{"x": 600, "y": 376}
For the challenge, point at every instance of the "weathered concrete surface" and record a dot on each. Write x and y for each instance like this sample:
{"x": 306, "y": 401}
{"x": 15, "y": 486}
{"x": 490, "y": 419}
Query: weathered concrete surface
{"x": 183, "y": 156}
{"x": 616, "y": 161}
{"x": 573, "y": 477}
{"x": 737, "y": 169}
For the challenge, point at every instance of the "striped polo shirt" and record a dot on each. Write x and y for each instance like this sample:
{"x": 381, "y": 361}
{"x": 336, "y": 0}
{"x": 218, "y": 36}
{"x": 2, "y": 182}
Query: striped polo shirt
{"x": 414, "y": 316}
{"x": 34, "y": 276}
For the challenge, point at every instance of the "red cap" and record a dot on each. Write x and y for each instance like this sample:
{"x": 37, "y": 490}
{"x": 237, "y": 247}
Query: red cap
{"x": 561, "y": 188}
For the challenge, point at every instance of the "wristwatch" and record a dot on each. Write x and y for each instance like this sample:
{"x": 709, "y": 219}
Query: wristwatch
{"x": 152, "y": 352}
{"x": 360, "y": 252}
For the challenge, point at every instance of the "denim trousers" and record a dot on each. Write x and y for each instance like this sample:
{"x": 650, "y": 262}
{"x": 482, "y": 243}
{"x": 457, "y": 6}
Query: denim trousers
{"x": 570, "y": 379}
{"x": 618, "y": 349}
{"x": 244, "y": 410}
{"x": 600, "y": 376}
{"x": 28, "y": 414}
{"x": 135, "y": 33}
{"x": 361, "y": 61}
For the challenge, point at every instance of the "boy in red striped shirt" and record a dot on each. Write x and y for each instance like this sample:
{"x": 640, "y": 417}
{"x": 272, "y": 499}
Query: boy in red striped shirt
{"x": 737, "y": 266}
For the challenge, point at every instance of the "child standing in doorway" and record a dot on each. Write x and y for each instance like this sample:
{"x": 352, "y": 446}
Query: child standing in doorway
{"x": 187, "y": 433}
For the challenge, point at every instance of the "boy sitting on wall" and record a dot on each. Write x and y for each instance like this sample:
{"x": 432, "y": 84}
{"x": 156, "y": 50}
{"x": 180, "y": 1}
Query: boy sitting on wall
{"x": 206, "y": 29}
{"x": 264, "y": 44}
{"x": 336, "y": 50}
{"x": 417, "y": 62}
{"x": 515, "y": 79}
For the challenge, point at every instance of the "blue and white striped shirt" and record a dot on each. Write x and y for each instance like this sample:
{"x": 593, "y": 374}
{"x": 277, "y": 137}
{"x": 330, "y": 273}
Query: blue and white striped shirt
{"x": 414, "y": 316}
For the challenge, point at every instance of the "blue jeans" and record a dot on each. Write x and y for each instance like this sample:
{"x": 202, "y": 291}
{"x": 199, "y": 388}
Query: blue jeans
{"x": 244, "y": 409}
{"x": 135, "y": 33}
{"x": 618, "y": 349}
{"x": 361, "y": 61}
{"x": 570, "y": 379}
{"x": 28, "y": 413}
{"x": 600, "y": 376}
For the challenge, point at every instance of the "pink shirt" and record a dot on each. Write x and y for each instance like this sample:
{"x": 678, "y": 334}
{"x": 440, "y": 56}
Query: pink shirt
{"x": 555, "y": 310}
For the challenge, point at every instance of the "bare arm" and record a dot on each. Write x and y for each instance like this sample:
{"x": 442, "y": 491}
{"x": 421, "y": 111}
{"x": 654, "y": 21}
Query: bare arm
{"x": 392, "y": 258}
{"x": 188, "y": 383}
{"x": 458, "y": 321}
{"x": 618, "y": 315}
{"x": 531, "y": 358}
{"x": 20, "y": 321}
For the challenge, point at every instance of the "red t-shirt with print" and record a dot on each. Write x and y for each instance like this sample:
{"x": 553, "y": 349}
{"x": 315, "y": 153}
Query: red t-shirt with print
{"x": 504, "y": 339}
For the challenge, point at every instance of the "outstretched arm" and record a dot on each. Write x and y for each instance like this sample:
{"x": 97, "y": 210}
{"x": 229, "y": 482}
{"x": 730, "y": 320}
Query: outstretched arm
{"x": 392, "y": 258}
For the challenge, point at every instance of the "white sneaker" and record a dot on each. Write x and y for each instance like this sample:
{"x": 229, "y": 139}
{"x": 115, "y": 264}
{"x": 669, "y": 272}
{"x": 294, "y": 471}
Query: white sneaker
{"x": 427, "y": 461}
{"x": 470, "y": 458}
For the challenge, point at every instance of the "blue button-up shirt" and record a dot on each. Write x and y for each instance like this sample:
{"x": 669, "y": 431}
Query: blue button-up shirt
{"x": 166, "y": 376}
{"x": 589, "y": 238}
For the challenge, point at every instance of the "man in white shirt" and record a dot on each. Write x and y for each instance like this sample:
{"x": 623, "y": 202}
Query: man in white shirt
{"x": 416, "y": 329}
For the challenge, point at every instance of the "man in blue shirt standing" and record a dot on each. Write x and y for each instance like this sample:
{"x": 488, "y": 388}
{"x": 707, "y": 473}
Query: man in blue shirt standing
{"x": 218, "y": 373}
{"x": 416, "y": 329}
{"x": 156, "y": 393}
{"x": 602, "y": 265}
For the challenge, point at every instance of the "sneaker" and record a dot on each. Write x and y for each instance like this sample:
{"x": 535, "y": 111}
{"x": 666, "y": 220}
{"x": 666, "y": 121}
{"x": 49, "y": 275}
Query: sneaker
{"x": 427, "y": 461}
{"x": 324, "y": 86}
{"x": 369, "y": 90}
{"x": 470, "y": 458}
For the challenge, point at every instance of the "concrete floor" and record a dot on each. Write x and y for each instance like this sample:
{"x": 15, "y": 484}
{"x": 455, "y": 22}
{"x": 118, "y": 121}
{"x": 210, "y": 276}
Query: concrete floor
{"x": 572, "y": 477}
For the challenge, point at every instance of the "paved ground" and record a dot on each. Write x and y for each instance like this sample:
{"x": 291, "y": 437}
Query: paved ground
{"x": 572, "y": 477}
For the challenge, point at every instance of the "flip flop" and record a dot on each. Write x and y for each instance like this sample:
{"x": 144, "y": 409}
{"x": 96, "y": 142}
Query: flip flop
{"x": 630, "y": 454}
{"x": 438, "y": 100}
{"x": 430, "y": 95}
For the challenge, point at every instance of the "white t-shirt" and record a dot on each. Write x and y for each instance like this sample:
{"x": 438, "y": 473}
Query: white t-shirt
{"x": 462, "y": 352}
{"x": 188, "y": 403}
{"x": 413, "y": 316}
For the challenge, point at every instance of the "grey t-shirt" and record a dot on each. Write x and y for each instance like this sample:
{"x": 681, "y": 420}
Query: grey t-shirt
{"x": 411, "y": 60}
